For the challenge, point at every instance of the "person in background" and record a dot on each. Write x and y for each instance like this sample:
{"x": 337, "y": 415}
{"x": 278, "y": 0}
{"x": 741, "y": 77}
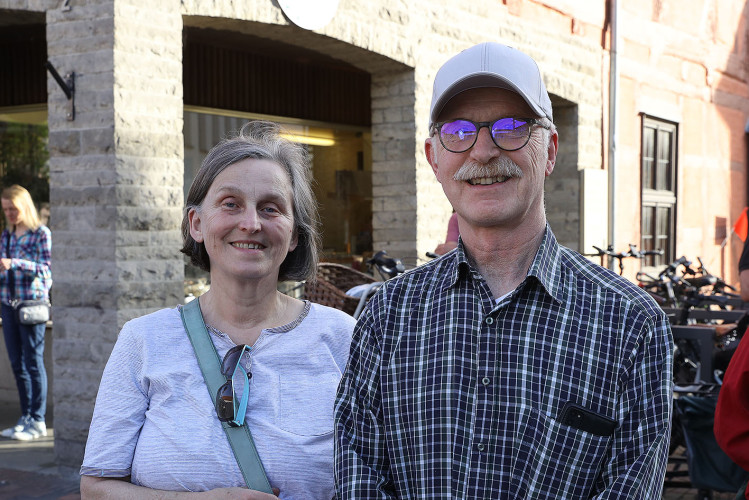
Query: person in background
{"x": 731, "y": 425}
{"x": 25, "y": 275}
{"x": 744, "y": 272}
{"x": 250, "y": 220}
{"x": 451, "y": 240}
{"x": 511, "y": 368}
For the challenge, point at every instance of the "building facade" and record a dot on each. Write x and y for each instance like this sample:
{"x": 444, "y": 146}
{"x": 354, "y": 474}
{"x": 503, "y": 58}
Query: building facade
{"x": 661, "y": 164}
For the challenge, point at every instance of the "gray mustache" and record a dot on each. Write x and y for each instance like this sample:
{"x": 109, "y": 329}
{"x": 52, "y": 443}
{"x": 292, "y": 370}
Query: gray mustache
{"x": 497, "y": 167}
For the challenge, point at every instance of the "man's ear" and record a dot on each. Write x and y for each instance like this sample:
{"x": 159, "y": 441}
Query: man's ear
{"x": 431, "y": 154}
{"x": 552, "y": 153}
{"x": 193, "y": 218}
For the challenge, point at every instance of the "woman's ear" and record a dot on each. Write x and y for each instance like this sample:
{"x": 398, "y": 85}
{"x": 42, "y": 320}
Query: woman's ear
{"x": 193, "y": 217}
{"x": 294, "y": 241}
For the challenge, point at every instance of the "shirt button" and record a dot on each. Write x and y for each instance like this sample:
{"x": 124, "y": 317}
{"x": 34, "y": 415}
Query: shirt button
{"x": 485, "y": 380}
{"x": 489, "y": 320}
{"x": 480, "y": 446}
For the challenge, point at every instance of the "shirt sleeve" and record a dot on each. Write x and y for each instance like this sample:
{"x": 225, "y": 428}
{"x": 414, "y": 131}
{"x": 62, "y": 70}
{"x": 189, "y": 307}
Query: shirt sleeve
{"x": 639, "y": 452}
{"x": 40, "y": 265}
{"x": 732, "y": 413}
{"x": 119, "y": 413}
{"x": 361, "y": 461}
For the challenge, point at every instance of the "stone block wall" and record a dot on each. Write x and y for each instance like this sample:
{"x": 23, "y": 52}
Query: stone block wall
{"x": 116, "y": 189}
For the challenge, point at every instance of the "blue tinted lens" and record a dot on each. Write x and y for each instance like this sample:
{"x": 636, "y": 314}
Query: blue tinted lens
{"x": 457, "y": 132}
{"x": 511, "y": 134}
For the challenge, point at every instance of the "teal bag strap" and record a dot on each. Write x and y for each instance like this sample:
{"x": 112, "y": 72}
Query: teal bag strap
{"x": 240, "y": 438}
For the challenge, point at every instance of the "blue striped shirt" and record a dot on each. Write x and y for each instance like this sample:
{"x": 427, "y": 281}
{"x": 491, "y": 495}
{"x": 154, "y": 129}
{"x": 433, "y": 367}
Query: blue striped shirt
{"x": 30, "y": 254}
{"x": 450, "y": 394}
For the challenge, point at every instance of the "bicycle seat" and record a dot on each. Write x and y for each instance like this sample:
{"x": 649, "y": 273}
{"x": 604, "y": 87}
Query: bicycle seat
{"x": 388, "y": 265}
{"x": 701, "y": 281}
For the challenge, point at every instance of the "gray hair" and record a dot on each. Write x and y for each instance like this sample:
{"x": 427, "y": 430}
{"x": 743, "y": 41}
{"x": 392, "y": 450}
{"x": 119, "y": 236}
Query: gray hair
{"x": 549, "y": 129}
{"x": 261, "y": 140}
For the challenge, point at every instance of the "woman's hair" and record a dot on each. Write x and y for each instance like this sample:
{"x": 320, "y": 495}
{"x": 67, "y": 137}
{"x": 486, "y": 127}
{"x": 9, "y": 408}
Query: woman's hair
{"x": 21, "y": 199}
{"x": 261, "y": 140}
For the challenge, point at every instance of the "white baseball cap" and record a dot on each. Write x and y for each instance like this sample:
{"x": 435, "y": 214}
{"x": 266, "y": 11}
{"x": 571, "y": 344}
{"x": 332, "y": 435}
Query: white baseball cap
{"x": 490, "y": 64}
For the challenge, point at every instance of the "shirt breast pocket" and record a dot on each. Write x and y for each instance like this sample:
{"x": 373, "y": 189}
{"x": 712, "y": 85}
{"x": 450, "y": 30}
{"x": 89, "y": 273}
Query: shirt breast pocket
{"x": 306, "y": 404}
{"x": 556, "y": 450}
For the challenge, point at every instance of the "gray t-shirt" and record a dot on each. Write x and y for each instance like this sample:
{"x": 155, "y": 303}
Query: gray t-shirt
{"x": 155, "y": 421}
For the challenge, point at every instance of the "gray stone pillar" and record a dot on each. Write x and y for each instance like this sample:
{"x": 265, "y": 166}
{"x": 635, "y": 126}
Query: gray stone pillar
{"x": 116, "y": 189}
{"x": 393, "y": 164}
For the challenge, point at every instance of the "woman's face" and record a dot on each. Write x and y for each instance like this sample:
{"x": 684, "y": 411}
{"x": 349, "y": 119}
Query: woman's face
{"x": 12, "y": 215}
{"x": 246, "y": 221}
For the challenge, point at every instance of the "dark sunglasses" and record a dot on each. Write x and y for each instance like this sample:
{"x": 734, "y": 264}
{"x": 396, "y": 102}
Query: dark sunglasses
{"x": 237, "y": 379}
{"x": 509, "y": 134}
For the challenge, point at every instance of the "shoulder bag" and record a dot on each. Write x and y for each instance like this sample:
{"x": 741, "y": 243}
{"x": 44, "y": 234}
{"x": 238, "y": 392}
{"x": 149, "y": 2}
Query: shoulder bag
{"x": 240, "y": 438}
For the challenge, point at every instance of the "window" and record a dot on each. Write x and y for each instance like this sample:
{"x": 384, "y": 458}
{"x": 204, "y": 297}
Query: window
{"x": 658, "y": 166}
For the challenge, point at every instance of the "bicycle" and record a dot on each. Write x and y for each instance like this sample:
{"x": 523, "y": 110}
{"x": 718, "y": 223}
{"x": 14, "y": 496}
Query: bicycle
{"x": 387, "y": 267}
{"x": 632, "y": 252}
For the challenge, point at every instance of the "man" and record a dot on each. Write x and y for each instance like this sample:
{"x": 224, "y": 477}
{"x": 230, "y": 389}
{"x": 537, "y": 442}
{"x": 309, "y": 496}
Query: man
{"x": 511, "y": 367}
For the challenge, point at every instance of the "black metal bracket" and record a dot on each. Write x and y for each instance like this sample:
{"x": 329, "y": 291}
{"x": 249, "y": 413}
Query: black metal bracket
{"x": 67, "y": 85}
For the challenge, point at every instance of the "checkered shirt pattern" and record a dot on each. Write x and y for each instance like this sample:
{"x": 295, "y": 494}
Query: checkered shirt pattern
{"x": 30, "y": 254}
{"x": 451, "y": 395}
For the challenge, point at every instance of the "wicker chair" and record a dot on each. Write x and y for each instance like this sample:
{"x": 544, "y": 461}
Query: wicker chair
{"x": 333, "y": 280}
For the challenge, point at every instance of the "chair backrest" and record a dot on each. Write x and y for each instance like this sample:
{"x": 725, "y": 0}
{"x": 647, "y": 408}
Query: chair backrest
{"x": 331, "y": 283}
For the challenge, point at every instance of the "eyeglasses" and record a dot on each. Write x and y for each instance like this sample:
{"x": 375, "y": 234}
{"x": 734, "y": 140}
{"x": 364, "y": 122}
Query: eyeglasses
{"x": 509, "y": 134}
{"x": 238, "y": 379}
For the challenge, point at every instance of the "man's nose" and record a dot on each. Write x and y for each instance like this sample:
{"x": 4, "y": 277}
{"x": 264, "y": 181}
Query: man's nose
{"x": 484, "y": 149}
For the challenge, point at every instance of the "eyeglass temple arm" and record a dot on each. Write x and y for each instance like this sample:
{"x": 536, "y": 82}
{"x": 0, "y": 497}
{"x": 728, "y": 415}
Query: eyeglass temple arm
{"x": 240, "y": 411}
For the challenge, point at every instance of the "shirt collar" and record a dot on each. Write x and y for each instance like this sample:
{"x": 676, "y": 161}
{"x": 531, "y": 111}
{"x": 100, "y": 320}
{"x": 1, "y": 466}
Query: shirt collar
{"x": 546, "y": 265}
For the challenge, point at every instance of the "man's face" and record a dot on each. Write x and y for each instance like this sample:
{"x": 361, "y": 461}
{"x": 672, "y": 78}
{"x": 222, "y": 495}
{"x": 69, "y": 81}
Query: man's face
{"x": 489, "y": 187}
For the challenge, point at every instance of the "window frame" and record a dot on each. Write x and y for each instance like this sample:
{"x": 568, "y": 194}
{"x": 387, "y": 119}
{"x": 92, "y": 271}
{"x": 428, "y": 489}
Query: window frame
{"x": 651, "y": 196}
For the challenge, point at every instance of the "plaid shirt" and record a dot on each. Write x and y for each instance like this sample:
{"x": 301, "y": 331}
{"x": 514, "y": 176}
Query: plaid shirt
{"x": 30, "y": 255}
{"x": 451, "y": 395}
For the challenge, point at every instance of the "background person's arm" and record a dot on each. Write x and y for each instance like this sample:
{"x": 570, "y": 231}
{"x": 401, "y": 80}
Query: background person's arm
{"x": 94, "y": 488}
{"x": 744, "y": 284}
{"x": 732, "y": 412}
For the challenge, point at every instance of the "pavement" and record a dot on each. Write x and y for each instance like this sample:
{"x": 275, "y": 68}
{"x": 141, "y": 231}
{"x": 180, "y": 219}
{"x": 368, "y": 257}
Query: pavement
{"x": 28, "y": 469}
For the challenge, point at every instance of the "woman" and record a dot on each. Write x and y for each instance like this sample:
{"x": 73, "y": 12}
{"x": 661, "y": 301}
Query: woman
{"x": 250, "y": 220}
{"x": 25, "y": 275}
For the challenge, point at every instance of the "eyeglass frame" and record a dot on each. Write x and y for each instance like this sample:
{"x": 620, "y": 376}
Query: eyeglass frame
{"x": 237, "y": 419}
{"x": 437, "y": 127}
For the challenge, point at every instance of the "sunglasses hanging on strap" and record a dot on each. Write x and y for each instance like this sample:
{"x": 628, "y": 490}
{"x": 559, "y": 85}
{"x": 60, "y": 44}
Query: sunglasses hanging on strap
{"x": 239, "y": 436}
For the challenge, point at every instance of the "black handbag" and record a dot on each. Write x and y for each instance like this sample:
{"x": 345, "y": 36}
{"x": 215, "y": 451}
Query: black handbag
{"x": 28, "y": 312}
